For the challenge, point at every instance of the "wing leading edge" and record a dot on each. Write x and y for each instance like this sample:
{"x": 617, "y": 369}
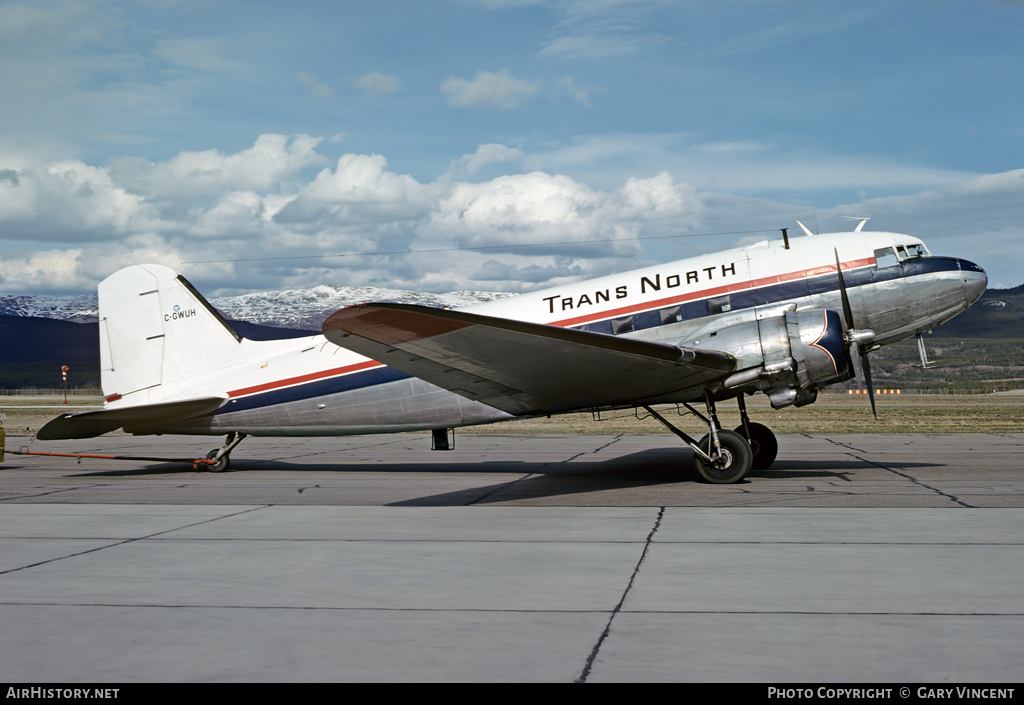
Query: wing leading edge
{"x": 521, "y": 368}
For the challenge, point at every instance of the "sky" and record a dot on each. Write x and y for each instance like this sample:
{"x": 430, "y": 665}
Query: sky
{"x": 498, "y": 145}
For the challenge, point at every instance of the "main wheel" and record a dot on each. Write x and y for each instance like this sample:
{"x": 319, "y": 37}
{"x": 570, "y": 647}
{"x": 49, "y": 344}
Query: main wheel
{"x": 221, "y": 465}
{"x": 763, "y": 444}
{"x": 734, "y": 462}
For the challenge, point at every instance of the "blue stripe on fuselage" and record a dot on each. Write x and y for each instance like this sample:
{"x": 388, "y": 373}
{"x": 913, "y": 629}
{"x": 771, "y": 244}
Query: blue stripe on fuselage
{"x": 318, "y": 388}
{"x": 688, "y": 311}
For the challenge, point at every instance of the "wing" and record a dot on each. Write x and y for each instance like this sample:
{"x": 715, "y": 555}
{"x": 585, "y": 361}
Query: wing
{"x": 151, "y": 418}
{"x": 521, "y": 368}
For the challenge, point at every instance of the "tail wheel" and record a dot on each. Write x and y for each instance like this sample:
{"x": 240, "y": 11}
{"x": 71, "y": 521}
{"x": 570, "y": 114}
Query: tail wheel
{"x": 732, "y": 465}
{"x": 763, "y": 444}
{"x": 221, "y": 465}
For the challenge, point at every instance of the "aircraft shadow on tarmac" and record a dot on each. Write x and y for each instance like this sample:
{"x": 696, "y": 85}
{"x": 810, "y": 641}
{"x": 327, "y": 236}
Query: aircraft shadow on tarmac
{"x": 647, "y": 468}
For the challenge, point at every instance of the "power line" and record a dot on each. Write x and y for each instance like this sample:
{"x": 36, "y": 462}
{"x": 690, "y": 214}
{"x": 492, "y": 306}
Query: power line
{"x": 479, "y": 247}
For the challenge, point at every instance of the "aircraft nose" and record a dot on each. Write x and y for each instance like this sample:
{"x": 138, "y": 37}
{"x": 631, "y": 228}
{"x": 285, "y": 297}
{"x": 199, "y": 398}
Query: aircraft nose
{"x": 975, "y": 280}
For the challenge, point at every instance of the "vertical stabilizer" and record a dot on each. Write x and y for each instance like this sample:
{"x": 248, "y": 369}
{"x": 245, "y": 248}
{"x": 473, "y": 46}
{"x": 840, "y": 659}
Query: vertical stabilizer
{"x": 158, "y": 335}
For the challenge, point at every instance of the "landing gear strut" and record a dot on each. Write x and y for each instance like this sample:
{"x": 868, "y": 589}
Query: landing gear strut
{"x": 721, "y": 457}
{"x": 219, "y": 456}
{"x": 762, "y": 441}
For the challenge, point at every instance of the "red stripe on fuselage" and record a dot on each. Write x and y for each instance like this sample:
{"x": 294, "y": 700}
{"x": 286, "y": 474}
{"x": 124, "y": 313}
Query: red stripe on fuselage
{"x": 313, "y": 376}
{"x": 715, "y": 291}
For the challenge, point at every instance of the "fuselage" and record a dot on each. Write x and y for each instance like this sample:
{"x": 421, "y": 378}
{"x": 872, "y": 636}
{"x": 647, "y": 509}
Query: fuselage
{"x": 309, "y": 386}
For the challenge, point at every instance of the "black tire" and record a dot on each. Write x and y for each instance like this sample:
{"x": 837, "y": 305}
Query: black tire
{"x": 221, "y": 465}
{"x": 763, "y": 444}
{"x": 734, "y": 464}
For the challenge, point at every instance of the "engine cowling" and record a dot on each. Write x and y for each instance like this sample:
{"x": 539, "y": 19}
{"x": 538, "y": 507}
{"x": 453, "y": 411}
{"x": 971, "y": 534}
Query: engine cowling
{"x": 787, "y": 356}
{"x": 819, "y": 346}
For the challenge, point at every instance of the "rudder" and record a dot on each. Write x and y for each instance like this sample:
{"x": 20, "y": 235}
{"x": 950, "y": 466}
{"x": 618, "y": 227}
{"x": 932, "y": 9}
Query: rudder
{"x": 158, "y": 335}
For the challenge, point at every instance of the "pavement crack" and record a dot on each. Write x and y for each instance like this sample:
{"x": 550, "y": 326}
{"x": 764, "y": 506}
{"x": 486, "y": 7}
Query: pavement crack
{"x": 611, "y": 442}
{"x": 607, "y": 629}
{"x": 846, "y": 445}
{"x": 936, "y": 490}
{"x": 44, "y": 494}
{"x": 499, "y": 488}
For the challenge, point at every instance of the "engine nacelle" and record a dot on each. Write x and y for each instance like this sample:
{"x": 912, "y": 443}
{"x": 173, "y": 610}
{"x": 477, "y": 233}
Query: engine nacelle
{"x": 786, "y": 356}
{"x": 818, "y": 345}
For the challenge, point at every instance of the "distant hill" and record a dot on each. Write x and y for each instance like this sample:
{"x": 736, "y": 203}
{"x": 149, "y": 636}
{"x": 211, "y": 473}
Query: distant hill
{"x": 998, "y": 314}
{"x": 32, "y": 350}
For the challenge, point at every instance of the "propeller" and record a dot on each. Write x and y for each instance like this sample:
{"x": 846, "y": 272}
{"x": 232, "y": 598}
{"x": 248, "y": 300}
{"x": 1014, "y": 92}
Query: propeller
{"x": 857, "y": 338}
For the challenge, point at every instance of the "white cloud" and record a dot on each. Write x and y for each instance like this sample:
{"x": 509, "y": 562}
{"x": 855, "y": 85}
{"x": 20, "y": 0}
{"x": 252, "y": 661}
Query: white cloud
{"x": 257, "y": 204}
{"x": 377, "y": 83}
{"x": 361, "y": 184}
{"x": 190, "y": 175}
{"x": 489, "y": 154}
{"x": 68, "y": 200}
{"x": 315, "y": 88}
{"x": 540, "y": 208}
{"x": 488, "y": 90}
{"x": 46, "y": 270}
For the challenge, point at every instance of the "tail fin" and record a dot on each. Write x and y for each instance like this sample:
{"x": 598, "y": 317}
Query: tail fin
{"x": 158, "y": 335}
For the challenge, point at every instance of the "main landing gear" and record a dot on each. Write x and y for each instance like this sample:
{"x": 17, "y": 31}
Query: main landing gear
{"x": 762, "y": 441}
{"x": 726, "y": 457}
{"x": 220, "y": 456}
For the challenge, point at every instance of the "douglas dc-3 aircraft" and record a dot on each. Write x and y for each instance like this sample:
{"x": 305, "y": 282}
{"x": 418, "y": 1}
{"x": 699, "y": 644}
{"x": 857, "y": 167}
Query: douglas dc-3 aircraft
{"x": 782, "y": 317}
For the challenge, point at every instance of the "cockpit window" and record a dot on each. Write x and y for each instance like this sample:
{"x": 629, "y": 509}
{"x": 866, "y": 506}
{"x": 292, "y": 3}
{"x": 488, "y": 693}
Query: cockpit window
{"x": 916, "y": 251}
{"x": 886, "y": 257}
{"x": 901, "y": 252}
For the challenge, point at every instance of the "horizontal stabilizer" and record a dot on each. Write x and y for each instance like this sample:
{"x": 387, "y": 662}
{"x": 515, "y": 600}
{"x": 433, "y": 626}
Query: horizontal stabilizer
{"x": 152, "y": 418}
{"x": 519, "y": 367}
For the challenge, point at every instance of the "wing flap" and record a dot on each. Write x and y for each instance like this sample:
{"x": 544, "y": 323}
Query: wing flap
{"x": 151, "y": 418}
{"x": 519, "y": 367}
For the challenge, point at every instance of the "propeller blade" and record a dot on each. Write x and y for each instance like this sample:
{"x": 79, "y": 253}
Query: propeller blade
{"x": 861, "y": 366}
{"x": 855, "y": 358}
{"x": 867, "y": 378}
{"x": 847, "y": 310}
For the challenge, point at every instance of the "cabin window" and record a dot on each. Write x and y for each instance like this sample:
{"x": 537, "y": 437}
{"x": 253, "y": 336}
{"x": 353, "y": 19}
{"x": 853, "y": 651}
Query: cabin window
{"x": 622, "y": 325}
{"x": 719, "y": 304}
{"x": 672, "y": 314}
{"x": 886, "y": 257}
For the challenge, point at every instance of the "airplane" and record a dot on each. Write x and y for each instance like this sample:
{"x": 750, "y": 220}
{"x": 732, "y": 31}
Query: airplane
{"x": 783, "y": 318}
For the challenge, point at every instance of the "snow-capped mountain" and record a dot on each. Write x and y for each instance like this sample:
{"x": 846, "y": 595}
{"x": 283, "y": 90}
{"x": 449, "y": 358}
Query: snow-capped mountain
{"x": 307, "y": 308}
{"x": 78, "y": 309}
{"x": 303, "y": 309}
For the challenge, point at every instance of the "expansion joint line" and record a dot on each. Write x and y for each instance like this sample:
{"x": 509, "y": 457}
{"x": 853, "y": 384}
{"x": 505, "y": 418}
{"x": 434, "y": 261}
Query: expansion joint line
{"x": 607, "y": 628}
{"x": 131, "y": 540}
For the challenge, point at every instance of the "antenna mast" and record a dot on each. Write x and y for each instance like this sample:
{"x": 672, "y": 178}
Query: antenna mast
{"x": 860, "y": 225}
